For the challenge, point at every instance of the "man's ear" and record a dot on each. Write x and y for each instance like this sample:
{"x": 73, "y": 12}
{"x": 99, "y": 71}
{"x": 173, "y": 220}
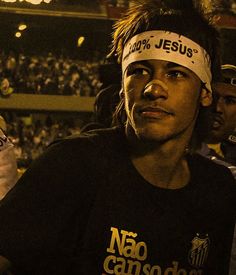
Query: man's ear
{"x": 205, "y": 97}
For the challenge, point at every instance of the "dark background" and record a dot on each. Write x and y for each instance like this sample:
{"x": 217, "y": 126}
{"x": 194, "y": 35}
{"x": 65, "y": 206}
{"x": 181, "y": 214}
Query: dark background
{"x": 55, "y": 27}
{"x": 56, "y": 34}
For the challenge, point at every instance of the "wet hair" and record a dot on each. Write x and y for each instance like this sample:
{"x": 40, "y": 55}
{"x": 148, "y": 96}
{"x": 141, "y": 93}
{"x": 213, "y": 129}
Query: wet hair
{"x": 179, "y": 16}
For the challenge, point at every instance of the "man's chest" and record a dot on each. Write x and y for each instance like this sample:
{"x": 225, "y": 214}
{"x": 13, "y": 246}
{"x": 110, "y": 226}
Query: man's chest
{"x": 136, "y": 232}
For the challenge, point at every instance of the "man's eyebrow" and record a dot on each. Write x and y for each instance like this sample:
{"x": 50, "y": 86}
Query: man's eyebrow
{"x": 232, "y": 96}
{"x": 143, "y": 62}
{"x": 170, "y": 65}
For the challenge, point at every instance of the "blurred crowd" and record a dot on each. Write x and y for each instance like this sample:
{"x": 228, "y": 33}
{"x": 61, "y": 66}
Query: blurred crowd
{"x": 31, "y": 139}
{"x": 50, "y": 74}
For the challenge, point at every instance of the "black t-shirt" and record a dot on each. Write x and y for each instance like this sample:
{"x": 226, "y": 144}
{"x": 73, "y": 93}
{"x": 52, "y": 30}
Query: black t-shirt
{"x": 82, "y": 208}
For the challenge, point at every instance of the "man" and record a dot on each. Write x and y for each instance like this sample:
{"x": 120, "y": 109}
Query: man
{"x": 133, "y": 199}
{"x": 221, "y": 145}
{"x": 221, "y": 141}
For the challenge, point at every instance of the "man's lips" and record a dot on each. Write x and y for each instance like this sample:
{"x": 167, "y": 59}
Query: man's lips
{"x": 154, "y": 112}
{"x": 217, "y": 122}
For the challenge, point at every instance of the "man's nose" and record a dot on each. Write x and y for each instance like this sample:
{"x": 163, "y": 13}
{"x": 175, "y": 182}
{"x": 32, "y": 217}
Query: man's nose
{"x": 156, "y": 89}
{"x": 219, "y": 105}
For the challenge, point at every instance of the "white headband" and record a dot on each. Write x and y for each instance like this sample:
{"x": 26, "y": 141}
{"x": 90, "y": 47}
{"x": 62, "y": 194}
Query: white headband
{"x": 169, "y": 46}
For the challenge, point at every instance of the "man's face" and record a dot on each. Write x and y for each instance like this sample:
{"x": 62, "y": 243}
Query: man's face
{"x": 161, "y": 99}
{"x": 225, "y": 111}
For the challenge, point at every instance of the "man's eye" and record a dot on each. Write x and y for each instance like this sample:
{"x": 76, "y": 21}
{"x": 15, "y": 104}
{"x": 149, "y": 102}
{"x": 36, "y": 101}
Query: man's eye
{"x": 176, "y": 74}
{"x": 137, "y": 71}
{"x": 230, "y": 100}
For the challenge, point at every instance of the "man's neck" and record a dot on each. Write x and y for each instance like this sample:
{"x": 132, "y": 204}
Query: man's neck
{"x": 161, "y": 164}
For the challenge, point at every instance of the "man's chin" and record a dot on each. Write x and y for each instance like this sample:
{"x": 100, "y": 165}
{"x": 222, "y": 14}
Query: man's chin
{"x": 147, "y": 134}
{"x": 217, "y": 135}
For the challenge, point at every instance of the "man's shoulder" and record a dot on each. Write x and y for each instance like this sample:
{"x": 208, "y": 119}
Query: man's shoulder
{"x": 89, "y": 144}
{"x": 77, "y": 161}
{"x": 209, "y": 168}
{"x": 213, "y": 179}
{"x": 91, "y": 137}
{"x": 228, "y": 161}
{"x": 215, "y": 184}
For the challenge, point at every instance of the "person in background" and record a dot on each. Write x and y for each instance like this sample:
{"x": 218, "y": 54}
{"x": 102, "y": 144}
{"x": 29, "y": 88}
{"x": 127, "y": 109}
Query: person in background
{"x": 221, "y": 143}
{"x": 104, "y": 107}
{"x": 8, "y": 165}
{"x": 133, "y": 199}
{"x": 5, "y": 88}
{"x": 107, "y": 98}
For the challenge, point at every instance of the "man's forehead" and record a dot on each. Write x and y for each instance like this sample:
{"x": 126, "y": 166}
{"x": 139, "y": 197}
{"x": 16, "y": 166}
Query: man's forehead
{"x": 229, "y": 74}
{"x": 224, "y": 89}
